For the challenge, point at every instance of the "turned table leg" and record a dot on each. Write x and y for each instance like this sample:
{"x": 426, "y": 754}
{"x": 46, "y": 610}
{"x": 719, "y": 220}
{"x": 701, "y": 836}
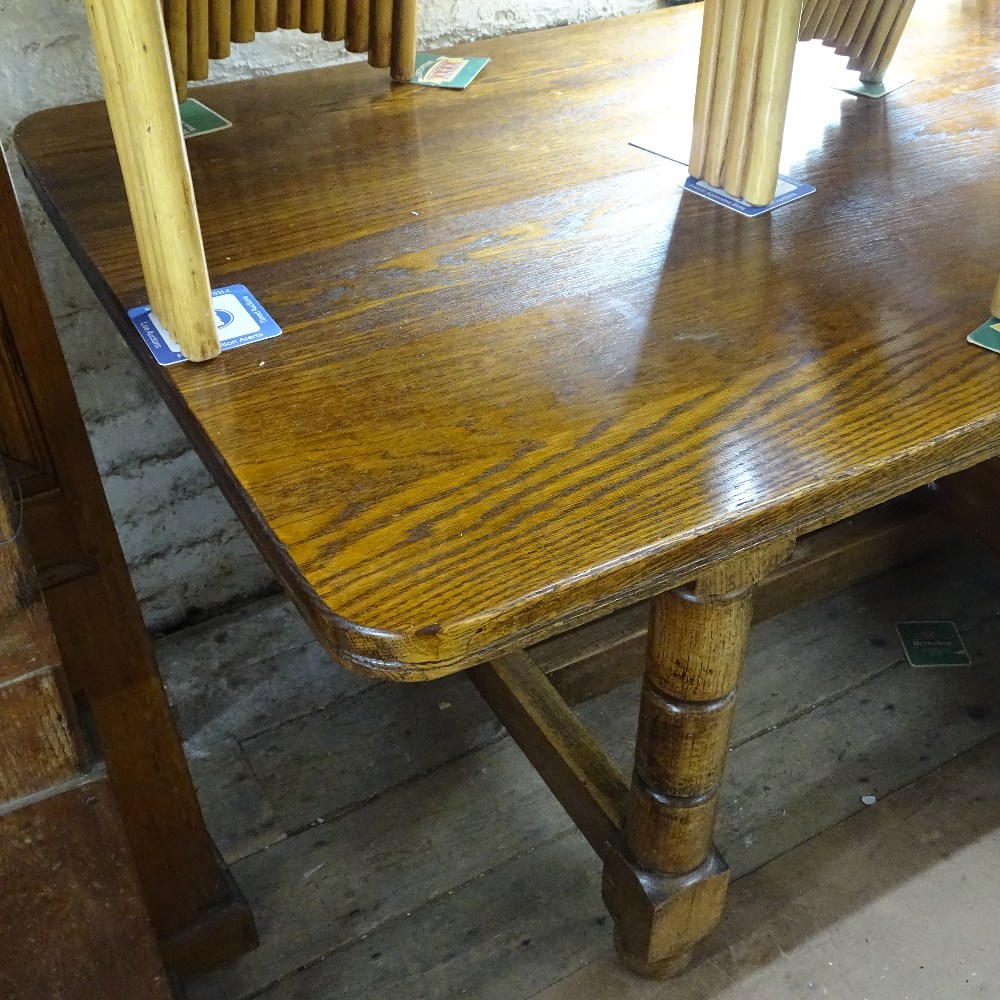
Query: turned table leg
{"x": 666, "y": 888}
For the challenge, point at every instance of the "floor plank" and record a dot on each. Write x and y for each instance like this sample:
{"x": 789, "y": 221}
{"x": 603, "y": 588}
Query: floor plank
{"x": 429, "y": 812}
{"x": 324, "y": 763}
{"x": 237, "y": 813}
{"x": 248, "y": 671}
{"x": 338, "y": 881}
{"x": 899, "y": 901}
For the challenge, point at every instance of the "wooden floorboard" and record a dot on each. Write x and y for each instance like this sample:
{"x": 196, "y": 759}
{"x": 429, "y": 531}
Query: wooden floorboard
{"x": 442, "y": 852}
{"x": 896, "y": 902}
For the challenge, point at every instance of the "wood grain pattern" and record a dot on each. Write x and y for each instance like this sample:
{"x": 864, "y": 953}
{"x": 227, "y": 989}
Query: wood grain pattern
{"x": 628, "y": 430}
{"x": 695, "y": 650}
{"x": 71, "y": 537}
{"x": 40, "y": 743}
{"x": 39, "y": 746}
{"x": 696, "y": 645}
{"x": 80, "y": 929}
{"x": 426, "y": 838}
{"x": 592, "y": 660}
{"x": 67, "y": 879}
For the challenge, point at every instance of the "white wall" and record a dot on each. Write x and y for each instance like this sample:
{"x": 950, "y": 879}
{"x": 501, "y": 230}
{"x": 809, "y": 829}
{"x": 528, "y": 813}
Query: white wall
{"x": 184, "y": 546}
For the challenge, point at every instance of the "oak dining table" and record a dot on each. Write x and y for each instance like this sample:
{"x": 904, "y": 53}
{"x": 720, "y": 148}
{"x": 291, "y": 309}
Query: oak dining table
{"x": 525, "y": 379}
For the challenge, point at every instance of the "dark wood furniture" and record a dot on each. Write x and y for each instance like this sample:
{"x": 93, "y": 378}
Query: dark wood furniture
{"x": 199, "y": 916}
{"x": 74, "y": 922}
{"x": 524, "y": 380}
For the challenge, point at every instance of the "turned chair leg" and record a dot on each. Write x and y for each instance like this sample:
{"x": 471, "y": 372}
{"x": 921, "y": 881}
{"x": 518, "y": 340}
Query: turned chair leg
{"x": 667, "y": 887}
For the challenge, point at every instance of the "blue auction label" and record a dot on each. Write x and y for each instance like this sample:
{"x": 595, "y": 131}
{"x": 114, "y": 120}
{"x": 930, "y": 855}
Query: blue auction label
{"x": 239, "y": 319}
{"x": 788, "y": 190}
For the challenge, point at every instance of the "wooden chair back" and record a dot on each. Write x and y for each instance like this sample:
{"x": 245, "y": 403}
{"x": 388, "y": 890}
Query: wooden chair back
{"x": 201, "y": 30}
{"x": 143, "y": 75}
{"x": 868, "y": 31}
{"x": 745, "y": 72}
{"x": 76, "y": 924}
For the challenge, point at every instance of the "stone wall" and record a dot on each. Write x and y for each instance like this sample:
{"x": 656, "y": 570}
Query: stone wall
{"x": 188, "y": 554}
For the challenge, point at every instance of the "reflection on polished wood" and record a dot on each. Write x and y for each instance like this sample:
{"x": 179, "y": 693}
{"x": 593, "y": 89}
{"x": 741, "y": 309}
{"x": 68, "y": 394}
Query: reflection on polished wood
{"x": 561, "y": 384}
{"x": 525, "y": 380}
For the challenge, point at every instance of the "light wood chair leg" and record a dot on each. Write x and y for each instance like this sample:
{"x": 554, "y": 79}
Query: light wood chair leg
{"x": 358, "y": 23}
{"x": 774, "y": 81}
{"x": 334, "y": 20}
{"x": 880, "y": 46}
{"x": 666, "y": 889}
{"x": 380, "y": 33}
{"x": 995, "y": 307}
{"x": 175, "y": 16}
{"x": 744, "y": 77}
{"x": 267, "y": 15}
{"x": 404, "y": 40}
{"x": 132, "y": 56}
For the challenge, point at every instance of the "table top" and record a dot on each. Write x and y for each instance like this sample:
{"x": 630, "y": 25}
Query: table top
{"x": 524, "y": 378}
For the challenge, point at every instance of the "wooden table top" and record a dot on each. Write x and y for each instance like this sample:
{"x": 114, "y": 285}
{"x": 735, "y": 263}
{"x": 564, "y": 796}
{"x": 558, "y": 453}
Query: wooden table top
{"x": 523, "y": 378}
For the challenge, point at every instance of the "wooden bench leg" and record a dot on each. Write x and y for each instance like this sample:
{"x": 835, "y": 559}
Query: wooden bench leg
{"x": 200, "y": 917}
{"x": 666, "y": 888}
